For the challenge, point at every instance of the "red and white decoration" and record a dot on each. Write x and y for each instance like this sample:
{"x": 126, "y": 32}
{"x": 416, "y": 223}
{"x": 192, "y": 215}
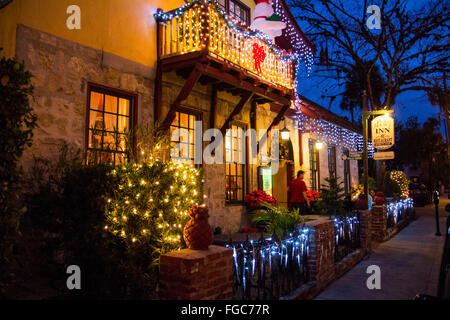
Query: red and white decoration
{"x": 265, "y": 20}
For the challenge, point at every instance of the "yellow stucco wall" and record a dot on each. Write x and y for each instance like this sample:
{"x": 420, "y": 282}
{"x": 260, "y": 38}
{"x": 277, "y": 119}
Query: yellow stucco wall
{"x": 125, "y": 28}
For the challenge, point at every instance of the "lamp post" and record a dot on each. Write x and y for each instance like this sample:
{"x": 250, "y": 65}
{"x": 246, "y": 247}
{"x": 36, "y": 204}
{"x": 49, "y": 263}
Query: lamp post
{"x": 366, "y": 114}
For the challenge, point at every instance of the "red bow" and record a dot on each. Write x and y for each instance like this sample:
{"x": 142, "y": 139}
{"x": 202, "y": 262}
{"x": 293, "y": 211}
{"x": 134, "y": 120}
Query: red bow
{"x": 258, "y": 56}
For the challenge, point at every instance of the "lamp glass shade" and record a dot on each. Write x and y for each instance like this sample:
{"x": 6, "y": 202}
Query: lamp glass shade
{"x": 284, "y": 134}
{"x": 319, "y": 145}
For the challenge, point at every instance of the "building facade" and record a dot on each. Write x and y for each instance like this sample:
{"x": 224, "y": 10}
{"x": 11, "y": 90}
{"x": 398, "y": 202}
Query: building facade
{"x": 134, "y": 63}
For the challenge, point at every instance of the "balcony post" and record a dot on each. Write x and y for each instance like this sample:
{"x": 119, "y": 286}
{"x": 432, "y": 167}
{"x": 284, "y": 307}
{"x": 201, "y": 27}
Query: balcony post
{"x": 158, "y": 79}
{"x": 205, "y": 26}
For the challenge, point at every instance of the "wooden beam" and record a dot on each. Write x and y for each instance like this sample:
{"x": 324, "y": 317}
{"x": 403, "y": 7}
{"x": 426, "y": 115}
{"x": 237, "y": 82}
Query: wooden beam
{"x": 158, "y": 78}
{"x": 237, "y": 109}
{"x": 182, "y": 95}
{"x": 212, "y": 115}
{"x": 247, "y": 86}
{"x": 158, "y": 93}
{"x": 274, "y": 123}
{"x": 253, "y": 114}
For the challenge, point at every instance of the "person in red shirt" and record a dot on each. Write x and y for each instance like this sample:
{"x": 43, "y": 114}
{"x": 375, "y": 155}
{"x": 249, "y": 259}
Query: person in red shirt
{"x": 298, "y": 190}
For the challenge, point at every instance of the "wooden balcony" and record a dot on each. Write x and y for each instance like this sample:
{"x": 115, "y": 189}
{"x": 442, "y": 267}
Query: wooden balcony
{"x": 203, "y": 44}
{"x": 201, "y": 28}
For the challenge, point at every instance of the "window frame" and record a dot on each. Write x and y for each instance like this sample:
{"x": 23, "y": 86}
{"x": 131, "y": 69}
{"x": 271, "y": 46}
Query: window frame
{"x": 347, "y": 173}
{"x": 244, "y": 127}
{"x": 198, "y": 117}
{"x": 116, "y": 93}
{"x": 314, "y": 173}
{"x": 240, "y": 4}
{"x": 332, "y": 167}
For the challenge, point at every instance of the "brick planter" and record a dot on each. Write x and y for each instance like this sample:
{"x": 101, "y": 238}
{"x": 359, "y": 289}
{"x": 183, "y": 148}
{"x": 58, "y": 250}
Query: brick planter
{"x": 378, "y": 217}
{"x": 197, "y": 274}
{"x": 190, "y": 274}
{"x": 379, "y": 222}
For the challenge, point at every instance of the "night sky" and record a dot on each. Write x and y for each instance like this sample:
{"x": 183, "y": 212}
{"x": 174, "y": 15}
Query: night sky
{"x": 408, "y": 104}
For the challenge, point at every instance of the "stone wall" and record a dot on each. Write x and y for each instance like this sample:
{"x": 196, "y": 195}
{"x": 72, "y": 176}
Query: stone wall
{"x": 62, "y": 69}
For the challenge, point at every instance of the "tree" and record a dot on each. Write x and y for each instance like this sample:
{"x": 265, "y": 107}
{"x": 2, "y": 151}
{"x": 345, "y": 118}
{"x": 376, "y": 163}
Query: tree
{"x": 410, "y": 46}
{"x": 355, "y": 79}
{"x": 17, "y": 121}
{"x": 423, "y": 146}
{"x": 438, "y": 95}
{"x": 332, "y": 197}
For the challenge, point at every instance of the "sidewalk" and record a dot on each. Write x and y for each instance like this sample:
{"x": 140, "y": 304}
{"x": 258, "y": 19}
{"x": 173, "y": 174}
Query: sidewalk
{"x": 409, "y": 263}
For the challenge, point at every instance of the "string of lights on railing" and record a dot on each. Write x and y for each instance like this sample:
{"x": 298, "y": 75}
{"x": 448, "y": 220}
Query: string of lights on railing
{"x": 255, "y": 258}
{"x": 301, "y": 50}
{"x": 344, "y": 227}
{"x": 397, "y": 208}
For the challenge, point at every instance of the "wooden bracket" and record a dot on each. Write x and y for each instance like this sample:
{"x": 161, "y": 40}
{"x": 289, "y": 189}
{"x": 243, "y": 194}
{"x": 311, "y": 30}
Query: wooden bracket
{"x": 182, "y": 95}
{"x": 274, "y": 123}
{"x": 237, "y": 109}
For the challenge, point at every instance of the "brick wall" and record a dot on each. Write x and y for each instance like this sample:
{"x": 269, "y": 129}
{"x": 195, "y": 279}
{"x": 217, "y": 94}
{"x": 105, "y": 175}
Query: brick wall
{"x": 379, "y": 219}
{"x": 321, "y": 252}
{"x": 201, "y": 275}
{"x": 365, "y": 229}
{"x": 197, "y": 274}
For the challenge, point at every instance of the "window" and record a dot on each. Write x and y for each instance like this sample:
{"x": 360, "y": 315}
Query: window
{"x": 332, "y": 161}
{"x": 236, "y": 9}
{"x": 182, "y": 137}
{"x": 235, "y": 157}
{"x": 313, "y": 166}
{"x": 109, "y": 125}
{"x": 347, "y": 176}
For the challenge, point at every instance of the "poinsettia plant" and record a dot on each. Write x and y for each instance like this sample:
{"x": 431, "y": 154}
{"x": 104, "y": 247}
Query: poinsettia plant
{"x": 249, "y": 230}
{"x": 254, "y": 199}
{"x": 313, "y": 195}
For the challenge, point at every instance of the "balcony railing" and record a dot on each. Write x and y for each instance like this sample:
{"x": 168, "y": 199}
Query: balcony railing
{"x": 201, "y": 26}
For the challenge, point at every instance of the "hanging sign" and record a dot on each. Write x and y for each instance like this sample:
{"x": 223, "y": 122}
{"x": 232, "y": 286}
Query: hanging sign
{"x": 266, "y": 179}
{"x": 383, "y": 135}
{"x": 387, "y": 155}
{"x": 352, "y": 156}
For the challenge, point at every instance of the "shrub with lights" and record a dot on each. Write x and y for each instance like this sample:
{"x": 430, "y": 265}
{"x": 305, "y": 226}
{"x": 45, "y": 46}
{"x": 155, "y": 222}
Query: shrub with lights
{"x": 396, "y": 184}
{"x": 151, "y": 203}
{"x": 148, "y": 209}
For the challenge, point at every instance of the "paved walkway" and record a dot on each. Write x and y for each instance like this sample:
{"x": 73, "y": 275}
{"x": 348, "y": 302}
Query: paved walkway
{"x": 409, "y": 263}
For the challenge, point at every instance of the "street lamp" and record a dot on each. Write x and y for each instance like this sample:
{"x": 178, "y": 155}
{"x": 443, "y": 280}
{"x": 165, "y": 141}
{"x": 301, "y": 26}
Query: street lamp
{"x": 285, "y": 132}
{"x": 319, "y": 145}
